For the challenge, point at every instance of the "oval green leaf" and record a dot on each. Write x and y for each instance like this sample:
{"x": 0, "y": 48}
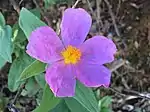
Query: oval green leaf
{"x": 29, "y": 22}
{"x": 6, "y": 43}
{"x": 33, "y": 69}
{"x": 49, "y": 101}
{"x": 61, "y": 106}
{"x": 41, "y": 80}
{"x": 85, "y": 97}
{"x": 17, "y": 67}
{"x": 75, "y": 106}
{"x": 2, "y": 20}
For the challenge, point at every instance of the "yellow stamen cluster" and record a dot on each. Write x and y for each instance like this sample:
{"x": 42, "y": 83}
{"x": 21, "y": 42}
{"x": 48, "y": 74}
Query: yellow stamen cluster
{"x": 71, "y": 55}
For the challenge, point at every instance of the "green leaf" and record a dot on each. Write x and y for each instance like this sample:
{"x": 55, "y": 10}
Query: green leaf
{"x": 33, "y": 69}
{"x": 2, "y": 62}
{"x": 106, "y": 101}
{"x": 36, "y": 12}
{"x": 18, "y": 34}
{"x": 6, "y": 43}
{"x": 2, "y": 20}
{"x": 86, "y": 98}
{"x": 18, "y": 65}
{"x": 41, "y": 80}
{"x": 61, "y": 107}
{"x": 3, "y": 102}
{"x": 106, "y": 110}
{"x": 31, "y": 88}
{"x": 75, "y": 106}
{"x": 49, "y": 101}
{"x": 29, "y": 22}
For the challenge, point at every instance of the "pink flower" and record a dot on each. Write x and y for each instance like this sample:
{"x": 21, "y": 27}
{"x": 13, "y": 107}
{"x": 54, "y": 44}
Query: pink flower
{"x": 71, "y": 59}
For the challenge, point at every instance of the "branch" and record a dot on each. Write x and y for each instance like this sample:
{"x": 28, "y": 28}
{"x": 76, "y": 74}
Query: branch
{"x": 99, "y": 20}
{"x": 94, "y": 15}
{"x": 15, "y": 5}
{"x": 113, "y": 17}
{"x": 76, "y": 3}
{"x": 19, "y": 92}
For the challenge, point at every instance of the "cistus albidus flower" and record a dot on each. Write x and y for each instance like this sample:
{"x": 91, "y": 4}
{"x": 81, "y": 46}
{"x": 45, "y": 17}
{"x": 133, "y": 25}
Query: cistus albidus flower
{"x": 71, "y": 58}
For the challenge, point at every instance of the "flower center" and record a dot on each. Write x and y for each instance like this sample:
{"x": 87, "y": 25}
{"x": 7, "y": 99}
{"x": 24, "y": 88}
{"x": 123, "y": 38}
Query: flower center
{"x": 71, "y": 55}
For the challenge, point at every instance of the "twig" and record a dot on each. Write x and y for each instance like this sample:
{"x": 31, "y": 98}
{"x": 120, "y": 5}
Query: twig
{"x": 76, "y": 3}
{"x": 116, "y": 91}
{"x": 117, "y": 64}
{"x": 18, "y": 92}
{"x": 113, "y": 90}
{"x": 58, "y": 25}
{"x": 113, "y": 17}
{"x": 15, "y": 5}
{"x": 118, "y": 8}
{"x": 132, "y": 92}
{"x": 11, "y": 106}
{"x": 123, "y": 80}
{"x": 20, "y": 2}
{"x": 42, "y": 13}
{"x": 90, "y": 7}
{"x": 99, "y": 20}
{"x": 94, "y": 15}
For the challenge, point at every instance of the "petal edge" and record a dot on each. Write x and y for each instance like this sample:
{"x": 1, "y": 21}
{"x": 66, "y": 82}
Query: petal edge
{"x": 75, "y": 26}
{"x": 61, "y": 79}
{"x": 44, "y": 45}
{"x": 98, "y": 49}
{"x": 93, "y": 75}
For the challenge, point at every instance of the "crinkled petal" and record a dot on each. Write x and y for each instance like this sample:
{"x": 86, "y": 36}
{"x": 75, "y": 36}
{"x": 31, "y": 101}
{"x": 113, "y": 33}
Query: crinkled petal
{"x": 61, "y": 79}
{"x": 98, "y": 49}
{"x": 44, "y": 45}
{"x": 75, "y": 26}
{"x": 93, "y": 75}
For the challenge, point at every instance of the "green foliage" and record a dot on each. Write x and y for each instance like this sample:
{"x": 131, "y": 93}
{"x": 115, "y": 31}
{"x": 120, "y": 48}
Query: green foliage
{"x": 85, "y": 97}
{"x": 2, "y": 20}
{"x": 31, "y": 88}
{"x": 17, "y": 67}
{"x": 75, "y": 106}
{"x": 52, "y": 2}
{"x": 36, "y": 12}
{"x": 3, "y": 102}
{"x": 18, "y": 35}
{"x": 61, "y": 107}
{"x": 6, "y": 43}
{"x": 29, "y": 22}
{"x": 49, "y": 101}
{"x": 41, "y": 80}
{"x": 33, "y": 69}
{"x": 105, "y": 103}
{"x": 106, "y": 110}
{"x": 2, "y": 62}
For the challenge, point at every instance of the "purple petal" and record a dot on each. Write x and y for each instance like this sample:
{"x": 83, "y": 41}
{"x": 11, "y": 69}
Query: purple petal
{"x": 75, "y": 26}
{"x": 61, "y": 79}
{"x": 44, "y": 45}
{"x": 98, "y": 49}
{"x": 93, "y": 75}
